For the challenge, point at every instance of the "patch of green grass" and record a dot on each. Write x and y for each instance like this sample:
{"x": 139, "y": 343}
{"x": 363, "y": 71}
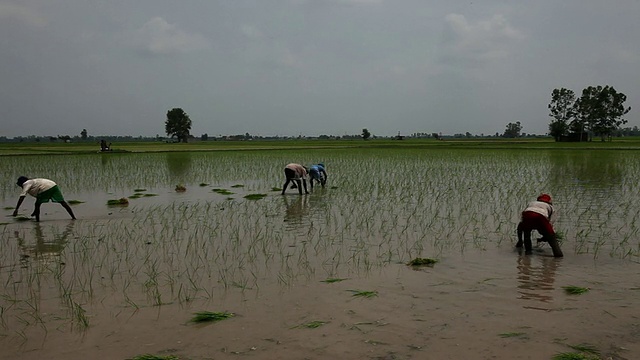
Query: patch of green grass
{"x": 154, "y": 357}
{"x": 575, "y": 290}
{"x": 208, "y": 316}
{"x": 513, "y": 334}
{"x": 255, "y": 196}
{"x": 312, "y": 325}
{"x": 118, "y": 202}
{"x": 574, "y": 356}
{"x": 586, "y": 348}
{"x": 333, "y": 280}
{"x": 237, "y": 186}
{"x": 365, "y": 294}
{"x": 222, "y": 191}
{"x": 422, "y": 262}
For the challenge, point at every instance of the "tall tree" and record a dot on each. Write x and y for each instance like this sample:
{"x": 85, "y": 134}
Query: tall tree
{"x": 83, "y": 134}
{"x": 562, "y": 112}
{"x": 601, "y": 110}
{"x": 366, "y": 134}
{"x": 513, "y": 130}
{"x": 178, "y": 124}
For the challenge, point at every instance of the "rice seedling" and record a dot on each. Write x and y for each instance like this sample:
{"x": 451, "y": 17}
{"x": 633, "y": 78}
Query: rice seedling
{"x": 74, "y": 202}
{"x": 222, "y": 191}
{"x": 139, "y": 190}
{"x": 333, "y": 280}
{"x": 9, "y": 208}
{"x": 586, "y": 348}
{"x": 422, "y": 262}
{"x": 203, "y": 184}
{"x": 575, "y": 290}
{"x": 574, "y": 356}
{"x": 118, "y": 202}
{"x": 149, "y": 195}
{"x": 208, "y": 316}
{"x": 311, "y": 325}
{"x": 513, "y": 334}
{"x": 255, "y": 196}
{"x": 22, "y": 218}
{"x": 180, "y": 188}
{"x": 275, "y": 188}
{"x": 154, "y": 357}
{"x": 364, "y": 294}
{"x": 237, "y": 186}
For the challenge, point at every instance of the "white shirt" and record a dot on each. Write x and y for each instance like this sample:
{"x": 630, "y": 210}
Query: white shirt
{"x": 540, "y": 207}
{"x": 34, "y": 187}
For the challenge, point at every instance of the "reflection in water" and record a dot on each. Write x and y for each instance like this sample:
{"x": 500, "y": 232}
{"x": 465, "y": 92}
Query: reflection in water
{"x": 179, "y": 164}
{"x": 536, "y": 275}
{"x": 296, "y": 210}
{"x": 45, "y": 246}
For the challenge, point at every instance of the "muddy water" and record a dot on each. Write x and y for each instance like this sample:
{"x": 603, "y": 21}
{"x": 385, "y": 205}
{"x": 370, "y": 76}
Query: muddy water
{"x": 125, "y": 281}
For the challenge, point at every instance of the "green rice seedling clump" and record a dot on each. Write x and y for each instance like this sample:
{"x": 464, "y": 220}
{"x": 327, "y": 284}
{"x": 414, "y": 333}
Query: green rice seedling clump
{"x": 333, "y": 280}
{"x": 181, "y": 188}
{"x": 275, "y": 188}
{"x": 574, "y": 356}
{"x": 118, "y": 202}
{"x": 363, "y": 293}
{"x": 139, "y": 190}
{"x": 22, "y": 218}
{"x": 208, "y": 316}
{"x": 575, "y": 290}
{"x": 222, "y": 191}
{"x": 255, "y": 196}
{"x": 149, "y": 195}
{"x": 237, "y": 186}
{"x": 513, "y": 334}
{"x": 422, "y": 262}
{"x": 204, "y": 184}
{"x": 154, "y": 357}
{"x": 74, "y": 202}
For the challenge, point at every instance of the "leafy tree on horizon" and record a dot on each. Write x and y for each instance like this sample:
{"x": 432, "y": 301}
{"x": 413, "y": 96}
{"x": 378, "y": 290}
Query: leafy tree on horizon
{"x": 178, "y": 124}
{"x": 600, "y": 110}
{"x": 513, "y": 130}
{"x": 366, "y": 134}
{"x": 561, "y": 110}
{"x": 83, "y": 134}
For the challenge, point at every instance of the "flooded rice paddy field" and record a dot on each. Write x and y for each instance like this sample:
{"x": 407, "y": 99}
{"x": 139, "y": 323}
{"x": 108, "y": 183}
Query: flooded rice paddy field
{"x": 322, "y": 275}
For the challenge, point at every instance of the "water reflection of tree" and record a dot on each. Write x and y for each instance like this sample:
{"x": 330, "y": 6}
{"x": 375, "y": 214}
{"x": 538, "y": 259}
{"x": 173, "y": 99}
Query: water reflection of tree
{"x": 586, "y": 168}
{"x": 45, "y": 246}
{"x": 178, "y": 164}
{"x": 536, "y": 275}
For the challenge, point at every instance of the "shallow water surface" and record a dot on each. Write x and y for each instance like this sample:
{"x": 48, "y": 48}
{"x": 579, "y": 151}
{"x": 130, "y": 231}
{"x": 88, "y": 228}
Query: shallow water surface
{"x": 125, "y": 281}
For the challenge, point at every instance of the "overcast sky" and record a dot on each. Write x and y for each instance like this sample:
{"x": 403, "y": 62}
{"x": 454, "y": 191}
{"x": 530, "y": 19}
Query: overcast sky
{"x": 311, "y": 67}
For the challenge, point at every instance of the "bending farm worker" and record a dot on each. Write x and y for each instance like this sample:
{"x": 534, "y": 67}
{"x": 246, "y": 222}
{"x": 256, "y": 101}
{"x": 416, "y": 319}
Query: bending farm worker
{"x": 44, "y": 190}
{"x": 537, "y": 216}
{"x": 318, "y": 173}
{"x": 296, "y": 174}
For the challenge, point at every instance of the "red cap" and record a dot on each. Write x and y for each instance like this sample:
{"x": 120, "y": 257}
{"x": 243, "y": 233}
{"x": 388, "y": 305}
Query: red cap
{"x": 545, "y": 198}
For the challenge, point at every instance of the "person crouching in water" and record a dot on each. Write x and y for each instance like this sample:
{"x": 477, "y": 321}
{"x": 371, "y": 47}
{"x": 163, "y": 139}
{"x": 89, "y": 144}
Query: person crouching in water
{"x": 537, "y": 217}
{"x": 43, "y": 190}
{"x": 318, "y": 173}
{"x": 295, "y": 173}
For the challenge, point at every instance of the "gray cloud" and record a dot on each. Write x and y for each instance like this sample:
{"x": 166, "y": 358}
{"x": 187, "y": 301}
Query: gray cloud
{"x": 159, "y": 37}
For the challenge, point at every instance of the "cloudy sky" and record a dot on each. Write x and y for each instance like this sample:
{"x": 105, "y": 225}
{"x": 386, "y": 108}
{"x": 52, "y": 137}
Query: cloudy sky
{"x": 312, "y": 67}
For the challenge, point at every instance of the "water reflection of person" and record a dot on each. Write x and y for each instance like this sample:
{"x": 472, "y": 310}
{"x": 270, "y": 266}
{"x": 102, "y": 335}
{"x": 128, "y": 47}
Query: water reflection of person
{"x": 44, "y": 247}
{"x": 536, "y": 275}
{"x": 296, "y": 210}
